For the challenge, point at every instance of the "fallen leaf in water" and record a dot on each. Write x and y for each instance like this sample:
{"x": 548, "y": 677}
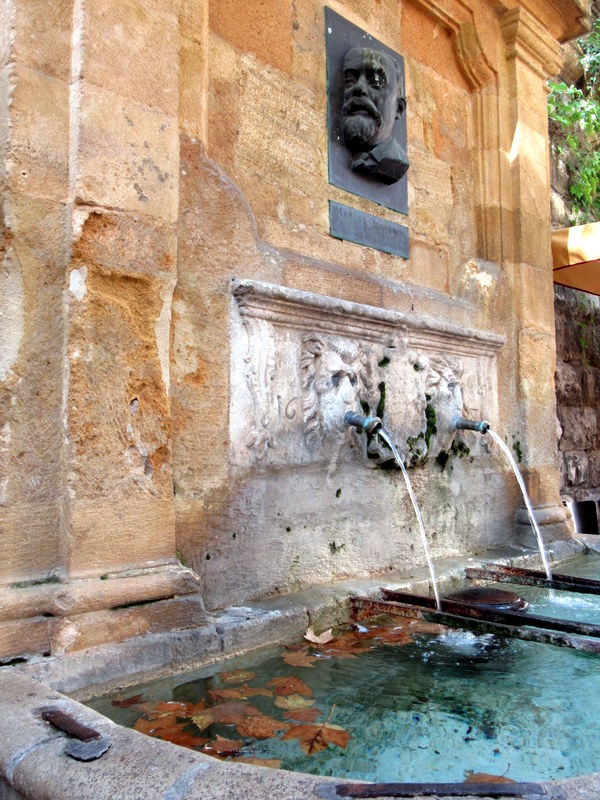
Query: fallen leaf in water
{"x": 298, "y": 658}
{"x": 225, "y": 713}
{"x": 261, "y": 727}
{"x": 346, "y": 645}
{"x": 236, "y": 676}
{"x": 290, "y": 685}
{"x": 314, "y": 738}
{"x": 303, "y": 714}
{"x": 203, "y": 719}
{"x": 222, "y": 747}
{"x": 484, "y": 777}
{"x": 233, "y": 713}
{"x": 293, "y": 701}
{"x": 273, "y": 763}
{"x": 170, "y": 731}
{"x": 239, "y": 693}
{"x": 129, "y": 701}
{"x": 322, "y": 638}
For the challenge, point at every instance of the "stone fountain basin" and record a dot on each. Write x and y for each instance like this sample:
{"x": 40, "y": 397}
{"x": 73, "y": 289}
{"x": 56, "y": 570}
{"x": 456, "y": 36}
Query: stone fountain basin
{"x": 32, "y": 759}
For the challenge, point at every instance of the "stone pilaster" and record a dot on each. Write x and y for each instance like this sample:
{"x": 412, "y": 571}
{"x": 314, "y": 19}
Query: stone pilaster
{"x": 532, "y": 55}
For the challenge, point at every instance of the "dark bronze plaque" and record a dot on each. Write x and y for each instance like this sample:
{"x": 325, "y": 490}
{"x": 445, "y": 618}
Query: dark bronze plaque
{"x": 356, "y": 226}
{"x": 347, "y": 170}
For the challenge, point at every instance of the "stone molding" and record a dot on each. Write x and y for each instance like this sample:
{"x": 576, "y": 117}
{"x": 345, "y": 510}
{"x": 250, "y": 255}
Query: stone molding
{"x": 527, "y": 40}
{"x": 458, "y": 18}
{"x": 293, "y": 308}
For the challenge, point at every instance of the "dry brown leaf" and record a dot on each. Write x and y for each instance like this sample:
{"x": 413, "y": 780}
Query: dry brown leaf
{"x": 293, "y": 701}
{"x": 322, "y": 638}
{"x": 236, "y": 676}
{"x": 135, "y": 700}
{"x": 314, "y": 738}
{"x": 261, "y": 727}
{"x": 203, "y": 719}
{"x": 298, "y": 658}
{"x": 239, "y": 693}
{"x": 222, "y": 747}
{"x": 169, "y": 730}
{"x": 232, "y": 713}
{"x": 290, "y": 685}
{"x": 303, "y": 714}
{"x": 484, "y": 777}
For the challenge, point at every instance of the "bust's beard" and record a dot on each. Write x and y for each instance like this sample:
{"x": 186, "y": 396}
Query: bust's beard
{"x": 359, "y": 131}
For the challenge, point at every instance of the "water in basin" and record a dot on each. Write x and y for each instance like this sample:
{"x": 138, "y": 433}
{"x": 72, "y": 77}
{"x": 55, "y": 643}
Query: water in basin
{"x": 417, "y": 702}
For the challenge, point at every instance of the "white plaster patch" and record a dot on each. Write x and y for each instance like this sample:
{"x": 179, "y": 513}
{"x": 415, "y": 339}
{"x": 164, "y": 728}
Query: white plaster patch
{"x": 77, "y": 285}
{"x": 11, "y": 314}
{"x": 162, "y": 332}
{"x": 4, "y": 451}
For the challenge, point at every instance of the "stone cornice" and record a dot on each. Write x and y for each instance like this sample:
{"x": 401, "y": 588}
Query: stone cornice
{"x": 528, "y": 40}
{"x": 293, "y": 308}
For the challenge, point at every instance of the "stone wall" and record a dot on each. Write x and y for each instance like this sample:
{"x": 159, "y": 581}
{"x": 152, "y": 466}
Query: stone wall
{"x": 577, "y": 392}
{"x": 155, "y": 155}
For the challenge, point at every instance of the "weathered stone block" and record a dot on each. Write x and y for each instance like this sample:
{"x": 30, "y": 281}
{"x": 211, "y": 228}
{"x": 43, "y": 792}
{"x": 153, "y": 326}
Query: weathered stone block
{"x": 132, "y": 50}
{"x": 106, "y": 536}
{"x": 537, "y": 357}
{"x": 263, "y": 29}
{"x": 431, "y": 213}
{"x": 192, "y": 92}
{"x": 123, "y": 242}
{"x": 419, "y": 30}
{"x": 579, "y": 428}
{"x": 568, "y": 381}
{"x": 100, "y": 627}
{"x": 31, "y": 358}
{"x": 30, "y": 545}
{"x": 38, "y": 155}
{"x": 591, "y": 386}
{"x": 23, "y": 638}
{"x": 576, "y": 468}
{"x": 334, "y": 284}
{"x": 534, "y": 295}
{"x": 594, "y": 470}
{"x": 128, "y": 157}
{"x": 428, "y": 265}
{"x": 43, "y": 36}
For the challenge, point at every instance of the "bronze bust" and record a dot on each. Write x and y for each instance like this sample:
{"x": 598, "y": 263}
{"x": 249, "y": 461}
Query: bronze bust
{"x": 373, "y": 100}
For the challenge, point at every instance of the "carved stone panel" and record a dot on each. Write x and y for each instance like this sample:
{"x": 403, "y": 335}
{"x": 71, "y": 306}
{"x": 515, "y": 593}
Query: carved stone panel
{"x": 300, "y": 361}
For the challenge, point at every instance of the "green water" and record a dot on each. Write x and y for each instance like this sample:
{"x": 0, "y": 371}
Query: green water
{"x": 434, "y": 708}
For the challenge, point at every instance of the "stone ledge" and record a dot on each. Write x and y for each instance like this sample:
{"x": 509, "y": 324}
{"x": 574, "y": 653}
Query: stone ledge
{"x": 298, "y": 309}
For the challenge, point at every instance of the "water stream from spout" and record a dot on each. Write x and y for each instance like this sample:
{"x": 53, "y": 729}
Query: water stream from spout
{"x": 503, "y": 446}
{"x": 386, "y": 437}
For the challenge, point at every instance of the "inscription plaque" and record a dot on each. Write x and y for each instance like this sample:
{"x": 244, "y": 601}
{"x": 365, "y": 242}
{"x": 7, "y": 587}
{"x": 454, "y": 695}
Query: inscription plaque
{"x": 361, "y": 228}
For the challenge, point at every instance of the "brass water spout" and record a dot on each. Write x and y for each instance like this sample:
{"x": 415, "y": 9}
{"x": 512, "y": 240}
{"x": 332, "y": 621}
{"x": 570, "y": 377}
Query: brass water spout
{"x": 368, "y": 424}
{"x": 462, "y": 424}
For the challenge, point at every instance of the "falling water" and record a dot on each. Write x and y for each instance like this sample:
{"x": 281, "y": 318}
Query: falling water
{"x": 519, "y": 478}
{"x": 384, "y": 435}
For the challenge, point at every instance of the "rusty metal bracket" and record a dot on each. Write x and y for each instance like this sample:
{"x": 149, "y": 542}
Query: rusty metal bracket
{"x": 490, "y": 615}
{"x": 533, "y": 577}
{"x": 362, "y": 607}
{"x": 85, "y": 744}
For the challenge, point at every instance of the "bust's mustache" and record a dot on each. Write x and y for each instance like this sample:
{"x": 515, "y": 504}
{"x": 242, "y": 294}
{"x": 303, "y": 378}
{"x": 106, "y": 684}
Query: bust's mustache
{"x": 354, "y": 104}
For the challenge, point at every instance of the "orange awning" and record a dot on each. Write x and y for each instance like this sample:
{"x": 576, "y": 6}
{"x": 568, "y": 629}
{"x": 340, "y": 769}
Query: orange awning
{"x": 576, "y": 257}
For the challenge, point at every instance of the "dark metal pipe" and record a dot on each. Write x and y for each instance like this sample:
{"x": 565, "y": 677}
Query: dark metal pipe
{"x": 368, "y": 424}
{"x": 462, "y": 424}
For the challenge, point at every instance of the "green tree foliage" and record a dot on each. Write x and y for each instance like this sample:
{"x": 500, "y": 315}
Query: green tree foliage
{"x": 576, "y": 109}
